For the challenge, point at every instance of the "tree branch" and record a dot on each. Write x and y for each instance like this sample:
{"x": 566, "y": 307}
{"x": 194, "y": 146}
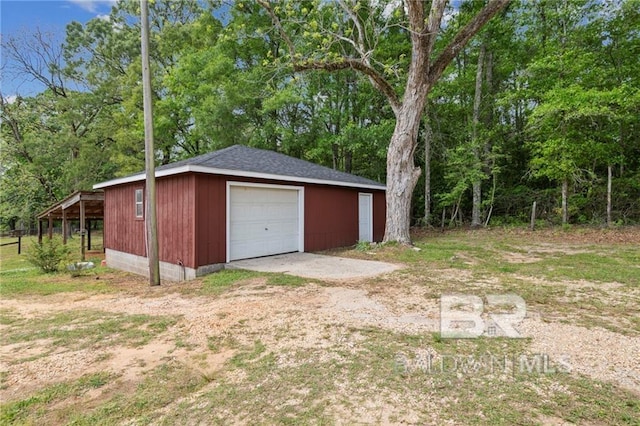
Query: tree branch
{"x": 463, "y": 36}
{"x": 359, "y": 45}
{"x": 433, "y": 23}
{"x": 38, "y": 56}
{"x": 362, "y": 65}
{"x": 349, "y": 63}
{"x": 276, "y": 22}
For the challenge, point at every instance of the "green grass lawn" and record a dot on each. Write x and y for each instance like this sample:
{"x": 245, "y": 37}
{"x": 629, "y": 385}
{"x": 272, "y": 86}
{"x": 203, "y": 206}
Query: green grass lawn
{"x": 19, "y": 277}
{"x": 367, "y": 374}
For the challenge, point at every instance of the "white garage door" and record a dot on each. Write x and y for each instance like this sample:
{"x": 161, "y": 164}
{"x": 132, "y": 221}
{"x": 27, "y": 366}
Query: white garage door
{"x": 262, "y": 221}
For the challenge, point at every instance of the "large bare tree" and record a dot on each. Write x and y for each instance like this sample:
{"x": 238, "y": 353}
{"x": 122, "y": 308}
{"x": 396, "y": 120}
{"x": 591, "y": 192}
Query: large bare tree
{"x": 345, "y": 34}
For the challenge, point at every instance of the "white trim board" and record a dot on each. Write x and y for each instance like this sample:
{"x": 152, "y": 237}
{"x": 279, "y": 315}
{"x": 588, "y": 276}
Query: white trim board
{"x": 237, "y": 173}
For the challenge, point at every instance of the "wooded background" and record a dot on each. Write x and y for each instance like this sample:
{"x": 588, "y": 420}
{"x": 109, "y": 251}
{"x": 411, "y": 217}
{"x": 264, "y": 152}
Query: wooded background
{"x": 542, "y": 105}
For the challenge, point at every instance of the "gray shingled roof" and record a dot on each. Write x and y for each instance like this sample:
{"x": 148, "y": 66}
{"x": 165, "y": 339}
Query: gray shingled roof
{"x": 244, "y": 158}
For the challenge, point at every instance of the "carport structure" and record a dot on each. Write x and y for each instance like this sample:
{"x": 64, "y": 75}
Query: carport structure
{"x": 81, "y": 206}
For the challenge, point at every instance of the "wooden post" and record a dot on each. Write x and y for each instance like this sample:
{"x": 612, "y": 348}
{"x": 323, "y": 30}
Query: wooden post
{"x": 151, "y": 219}
{"x": 39, "y": 231}
{"x": 65, "y": 227}
{"x": 50, "y": 232}
{"x": 20, "y": 243}
{"x": 82, "y": 230}
{"x": 533, "y": 216}
{"x": 89, "y": 234}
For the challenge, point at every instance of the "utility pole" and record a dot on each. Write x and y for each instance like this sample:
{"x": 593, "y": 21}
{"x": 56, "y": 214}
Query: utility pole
{"x": 151, "y": 219}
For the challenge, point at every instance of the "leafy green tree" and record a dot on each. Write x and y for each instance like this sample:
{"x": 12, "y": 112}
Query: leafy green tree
{"x": 54, "y": 143}
{"x": 106, "y": 54}
{"x": 343, "y": 35}
{"x": 580, "y": 115}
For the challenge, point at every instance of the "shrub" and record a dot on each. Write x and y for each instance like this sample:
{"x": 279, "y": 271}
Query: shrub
{"x": 48, "y": 255}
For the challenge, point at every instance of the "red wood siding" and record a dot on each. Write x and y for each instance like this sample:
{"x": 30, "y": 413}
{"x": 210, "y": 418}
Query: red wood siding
{"x": 379, "y": 215}
{"x": 123, "y": 232}
{"x": 331, "y": 217}
{"x": 210, "y": 219}
{"x": 192, "y": 217}
{"x": 176, "y": 224}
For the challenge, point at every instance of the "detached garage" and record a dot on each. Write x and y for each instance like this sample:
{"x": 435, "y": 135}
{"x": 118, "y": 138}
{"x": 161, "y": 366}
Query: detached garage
{"x": 238, "y": 203}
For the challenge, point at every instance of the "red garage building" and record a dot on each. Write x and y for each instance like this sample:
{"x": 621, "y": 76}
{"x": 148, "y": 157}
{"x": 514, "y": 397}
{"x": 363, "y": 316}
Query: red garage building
{"x": 238, "y": 203}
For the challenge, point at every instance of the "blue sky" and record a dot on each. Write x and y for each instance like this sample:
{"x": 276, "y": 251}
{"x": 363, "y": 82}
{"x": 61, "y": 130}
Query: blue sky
{"x": 49, "y": 15}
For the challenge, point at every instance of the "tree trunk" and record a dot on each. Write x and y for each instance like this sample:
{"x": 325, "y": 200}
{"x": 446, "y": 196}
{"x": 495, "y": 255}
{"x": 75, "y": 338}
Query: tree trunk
{"x": 402, "y": 174}
{"x": 476, "y": 219}
{"x": 609, "y": 172}
{"x": 428, "y": 136}
{"x": 489, "y": 161}
{"x": 348, "y": 160}
{"x": 477, "y": 204}
{"x": 565, "y": 210}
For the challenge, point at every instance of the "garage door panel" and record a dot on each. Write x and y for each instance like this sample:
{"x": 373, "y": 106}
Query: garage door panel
{"x": 262, "y": 221}
{"x": 248, "y": 249}
{"x": 252, "y": 211}
{"x": 245, "y": 232}
{"x": 252, "y": 195}
{"x": 251, "y": 230}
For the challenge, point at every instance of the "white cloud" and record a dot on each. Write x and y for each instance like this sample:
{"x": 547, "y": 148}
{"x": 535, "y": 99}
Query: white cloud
{"x": 10, "y": 99}
{"x": 91, "y": 5}
{"x": 88, "y": 5}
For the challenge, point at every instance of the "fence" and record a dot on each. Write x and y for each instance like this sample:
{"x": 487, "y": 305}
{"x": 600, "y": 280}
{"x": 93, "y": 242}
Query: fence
{"x": 14, "y": 234}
